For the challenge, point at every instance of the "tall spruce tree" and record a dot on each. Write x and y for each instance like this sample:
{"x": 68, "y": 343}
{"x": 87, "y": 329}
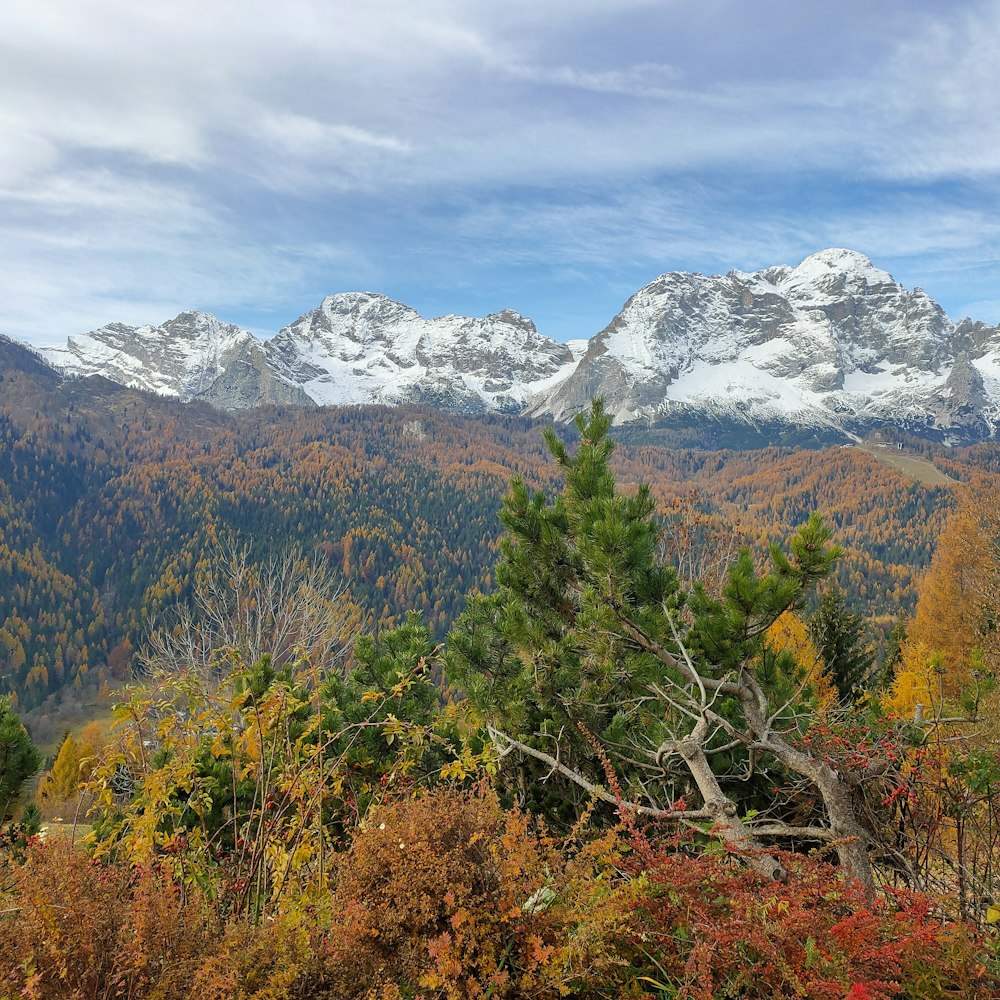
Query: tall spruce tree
{"x": 839, "y": 635}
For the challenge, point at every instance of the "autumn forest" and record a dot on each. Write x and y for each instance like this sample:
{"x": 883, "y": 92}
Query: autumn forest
{"x": 382, "y": 702}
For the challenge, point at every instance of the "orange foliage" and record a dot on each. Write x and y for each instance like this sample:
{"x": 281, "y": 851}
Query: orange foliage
{"x": 82, "y": 931}
{"x": 789, "y": 634}
{"x": 455, "y": 895}
{"x": 109, "y": 513}
{"x": 450, "y": 897}
{"x": 957, "y": 608}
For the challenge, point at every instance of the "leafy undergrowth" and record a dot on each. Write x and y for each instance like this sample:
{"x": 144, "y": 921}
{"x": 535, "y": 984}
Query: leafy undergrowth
{"x": 448, "y": 895}
{"x": 716, "y": 929}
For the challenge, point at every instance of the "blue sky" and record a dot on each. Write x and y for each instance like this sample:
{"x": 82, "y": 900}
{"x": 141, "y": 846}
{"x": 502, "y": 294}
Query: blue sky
{"x": 247, "y": 158}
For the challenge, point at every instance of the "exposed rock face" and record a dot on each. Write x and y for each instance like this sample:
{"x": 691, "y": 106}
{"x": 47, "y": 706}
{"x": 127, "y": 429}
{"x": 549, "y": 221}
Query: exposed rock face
{"x": 834, "y": 342}
{"x": 183, "y": 357}
{"x": 834, "y": 345}
{"x": 249, "y": 380}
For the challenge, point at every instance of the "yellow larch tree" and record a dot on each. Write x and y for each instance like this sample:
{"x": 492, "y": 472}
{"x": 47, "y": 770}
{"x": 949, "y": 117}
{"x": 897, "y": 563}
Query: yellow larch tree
{"x": 958, "y": 607}
{"x": 789, "y": 634}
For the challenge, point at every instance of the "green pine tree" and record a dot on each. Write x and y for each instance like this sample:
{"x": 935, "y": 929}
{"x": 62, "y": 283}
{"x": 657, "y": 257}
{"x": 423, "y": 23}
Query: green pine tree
{"x": 575, "y": 650}
{"x": 839, "y": 635}
{"x": 19, "y": 759}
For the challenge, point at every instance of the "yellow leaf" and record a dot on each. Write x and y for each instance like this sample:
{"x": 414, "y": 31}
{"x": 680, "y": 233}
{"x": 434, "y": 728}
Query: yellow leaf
{"x": 656, "y": 983}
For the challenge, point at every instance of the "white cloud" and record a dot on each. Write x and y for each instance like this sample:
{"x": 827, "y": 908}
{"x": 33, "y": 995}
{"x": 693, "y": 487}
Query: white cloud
{"x": 938, "y": 97}
{"x": 641, "y": 231}
{"x": 306, "y": 136}
{"x": 641, "y": 80}
{"x": 183, "y": 143}
{"x": 81, "y": 250}
{"x": 217, "y": 86}
{"x": 23, "y": 154}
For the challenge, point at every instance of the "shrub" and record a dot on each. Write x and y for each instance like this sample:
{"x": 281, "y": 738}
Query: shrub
{"x": 450, "y": 895}
{"x": 717, "y": 930}
{"x": 447, "y": 896}
{"x": 278, "y": 960}
{"x": 76, "y": 929}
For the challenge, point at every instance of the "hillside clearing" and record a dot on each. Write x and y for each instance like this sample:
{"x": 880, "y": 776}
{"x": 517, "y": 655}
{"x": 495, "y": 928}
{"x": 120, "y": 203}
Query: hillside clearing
{"x": 918, "y": 469}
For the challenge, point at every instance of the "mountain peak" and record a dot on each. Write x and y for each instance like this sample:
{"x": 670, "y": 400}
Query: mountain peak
{"x": 362, "y": 347}
{"x": 194, "y": 316}
{"x": 833, "y": 345}
{"x": 197, "y": 326}
{"x": 181, "y": 357}
{"x": 513, "y": 318}
{"x": 344, "y": 302}
{"x": 836, "y": 262}
{"x": 840, "y": 257}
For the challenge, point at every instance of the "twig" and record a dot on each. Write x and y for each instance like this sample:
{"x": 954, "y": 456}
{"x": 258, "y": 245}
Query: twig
{"x": 596, "y": 790}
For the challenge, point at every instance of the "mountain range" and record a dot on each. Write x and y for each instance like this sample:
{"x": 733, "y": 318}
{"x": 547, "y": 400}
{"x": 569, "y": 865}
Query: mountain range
{"x": 830, "y": 349}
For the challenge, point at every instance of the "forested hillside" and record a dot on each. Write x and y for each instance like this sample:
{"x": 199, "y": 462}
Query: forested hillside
{"x": 601, "y": 782}
{"x": 111, "y": 501}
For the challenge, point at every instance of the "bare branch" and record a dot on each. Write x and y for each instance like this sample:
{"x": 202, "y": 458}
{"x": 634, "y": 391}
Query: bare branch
{"x": 801, "y": 832}
{"x": 508, "y": 743}
{"x": 287, "y": 606}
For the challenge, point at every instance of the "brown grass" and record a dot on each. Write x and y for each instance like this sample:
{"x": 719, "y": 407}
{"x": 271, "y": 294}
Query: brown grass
{"x": 915, "y": 468}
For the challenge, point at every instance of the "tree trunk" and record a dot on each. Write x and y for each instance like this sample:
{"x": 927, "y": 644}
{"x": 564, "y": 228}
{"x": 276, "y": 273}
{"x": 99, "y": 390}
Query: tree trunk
{"x": 833, "y": 790}
{"x": 723, "y": 809}
{"x": 839, "y": 803}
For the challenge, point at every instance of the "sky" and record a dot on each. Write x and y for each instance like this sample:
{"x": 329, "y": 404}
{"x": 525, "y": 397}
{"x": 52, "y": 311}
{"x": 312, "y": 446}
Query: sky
{"x": 248, "y": 158}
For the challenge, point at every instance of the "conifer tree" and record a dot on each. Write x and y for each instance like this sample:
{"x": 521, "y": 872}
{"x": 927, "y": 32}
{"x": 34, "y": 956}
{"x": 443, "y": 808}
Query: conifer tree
{"x": 839, "y": 636}
{"x": 63, "y": 781}
{"x": 19, "y": 759}
{"x": 74, "y": 763}
{"x": 589, "y": 654}
{"x": 545, "y": 653}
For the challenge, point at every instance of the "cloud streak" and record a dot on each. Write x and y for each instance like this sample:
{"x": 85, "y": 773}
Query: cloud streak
{"x": 452, "y": 152}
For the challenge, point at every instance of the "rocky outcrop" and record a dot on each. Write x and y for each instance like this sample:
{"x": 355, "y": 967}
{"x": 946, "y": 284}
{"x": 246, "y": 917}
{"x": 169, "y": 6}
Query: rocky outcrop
{"x": 249, "y": 380}
{"x": 832, "y": 346}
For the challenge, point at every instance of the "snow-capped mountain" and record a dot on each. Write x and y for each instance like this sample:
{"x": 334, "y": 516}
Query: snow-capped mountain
{"x": 834, "y": 345}
{"x": 359, "y": 348}
{"x": 356, "y": 347}
{"x": 182, "y": 357}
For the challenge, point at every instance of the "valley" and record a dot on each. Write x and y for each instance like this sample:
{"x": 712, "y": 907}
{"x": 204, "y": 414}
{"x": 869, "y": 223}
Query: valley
{"x": 114, "y": 499}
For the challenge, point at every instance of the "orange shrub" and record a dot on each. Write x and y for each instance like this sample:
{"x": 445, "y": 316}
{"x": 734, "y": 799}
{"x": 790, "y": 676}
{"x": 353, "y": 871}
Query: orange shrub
{"x": 76, "y": 929}
{"x": 278, "y": 960}
{"x": 447, "y": 896}
{"x": 453, "y": 897}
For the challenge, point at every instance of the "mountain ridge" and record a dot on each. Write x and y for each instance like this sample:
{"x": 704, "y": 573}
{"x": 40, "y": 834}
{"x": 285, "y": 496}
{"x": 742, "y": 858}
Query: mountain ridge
{"x": 833, "y": 345}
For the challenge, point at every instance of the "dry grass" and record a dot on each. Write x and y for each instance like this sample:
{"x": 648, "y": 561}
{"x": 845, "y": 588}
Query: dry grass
{"x": 918, "y": 469}
{"x": 64, "y": 829}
